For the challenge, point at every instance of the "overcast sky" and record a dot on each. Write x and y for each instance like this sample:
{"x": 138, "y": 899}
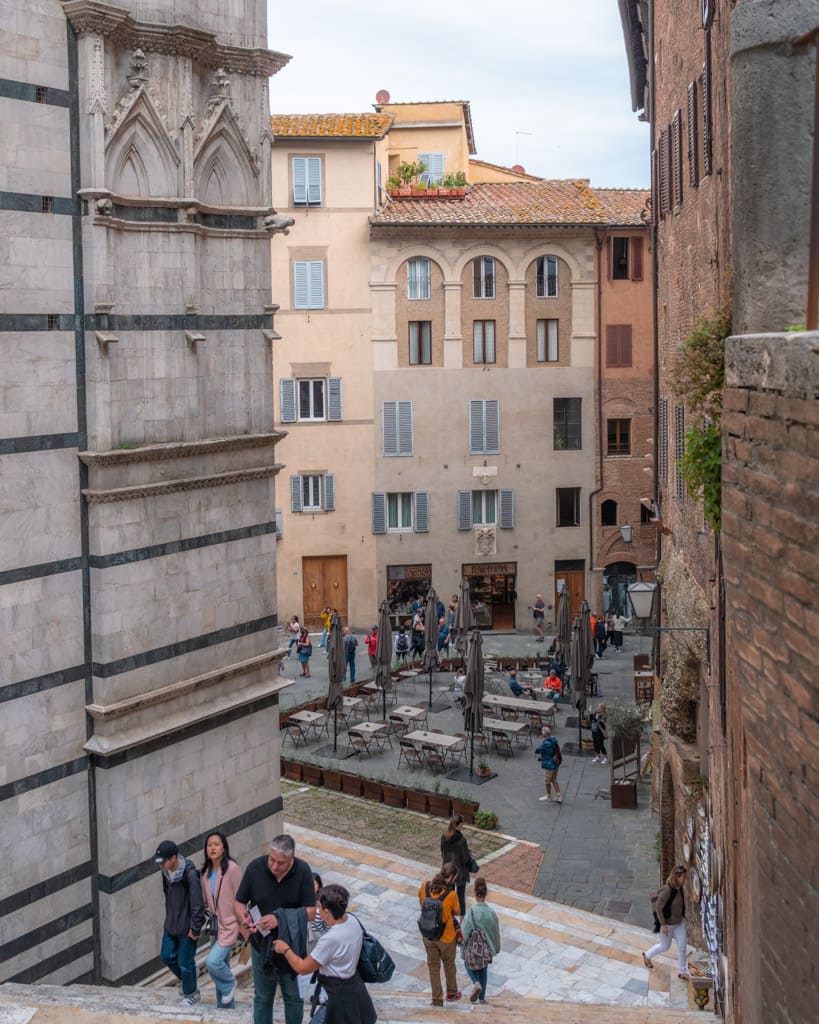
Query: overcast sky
{"x": 552, "y": 69}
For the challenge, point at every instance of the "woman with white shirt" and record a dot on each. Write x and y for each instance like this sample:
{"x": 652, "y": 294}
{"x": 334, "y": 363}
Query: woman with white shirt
{"x": 335, "y": 957}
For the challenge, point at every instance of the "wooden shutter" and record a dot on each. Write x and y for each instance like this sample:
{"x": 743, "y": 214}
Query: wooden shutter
{"x": 420, "y": 512}
{"x": 612, "y": 345}
{"x": 624, "y": 337}
{"x": 295, "y": 493}
{"x": 492, "y": 426}
{"x": 287, "y": 399}
{"x": 389, "y": 418}
{"x": 464, "y": 510}
{"x": 636, "y": 253}
{"x": 405, "y": 428}
{"x": 610, "y": 259}
{"x": 476, "y": 431}
{"x": 665, "y": 171}
{"x": 706, "y": 107}
{"x": 655, "y": 186}
{"x": 676, "y": 149}
{"x": 693, "y": 155}
{"x": 506, "y": 509}
{"x": 334, "y": 398}
{"x": 329, "y": 492}
{"x": 379, "y": 512}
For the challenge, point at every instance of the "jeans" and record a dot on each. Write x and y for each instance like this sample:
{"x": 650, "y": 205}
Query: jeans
{"x": 264, "y": 992}
{"x": 480, "y": 978}
{"x": 351, "y": 667}
{"x": 177, "y": 953}
{"x": 677, "y": 933}
{"x": 438, "y": 953}
{"x": 218, "y": 967}
{"x": 323, "y": 641}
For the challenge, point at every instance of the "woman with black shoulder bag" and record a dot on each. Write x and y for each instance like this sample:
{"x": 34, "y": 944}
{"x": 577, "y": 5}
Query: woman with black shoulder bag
{"x": 455, "y": 850}
{"x": 220, "y": 879}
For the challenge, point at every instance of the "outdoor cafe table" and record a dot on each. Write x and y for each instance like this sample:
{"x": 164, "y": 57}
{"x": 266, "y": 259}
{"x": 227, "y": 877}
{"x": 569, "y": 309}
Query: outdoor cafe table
{"x": 524, "y": 704}
{"x": 371, "y": 732}
{"x": 353, "y": 706}
{"x": 437, "y": 739}
{"x": 313, "y": 722}
{"x": 409, "y": 713}
{"x": 502, "y": 725}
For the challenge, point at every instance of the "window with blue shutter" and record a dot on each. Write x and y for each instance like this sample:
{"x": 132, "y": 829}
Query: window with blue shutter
{"x": 421, "y": 501}
{"x": 379, "y": 512}
{"x": 308, "y": 284}
{"x": 295, "y": 493}
{"x": 464, "y": 510}
{"x": 434, "y": 163}
{"x": 287, "y": 399}
{"x": 506, "y": 509}
{"x": 306, "y": 172}
{"x": 329, "y": 492}
{"x": 334, "y": 398}
{"x": 484, "y": 426}
{"x": 397, "y": 428}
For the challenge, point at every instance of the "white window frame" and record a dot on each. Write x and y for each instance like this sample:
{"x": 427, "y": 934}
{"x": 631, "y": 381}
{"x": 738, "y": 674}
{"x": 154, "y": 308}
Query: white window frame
{"x": 483, "y": 277}
{"x": 399, "y": 503}
{"x": 548, "y": 340}
{"x": 311, "y": 417}
{"x": 312, "y": 492}
{"x": 484, "y": 508}
{"x": 484, "y": 347}
{"x": 308, "y": 284}
{"x": 418, "y": 279}
{"x": 308, "y": 190}
{"x": 543, "y": 279}
{"x": 420, "y": 342}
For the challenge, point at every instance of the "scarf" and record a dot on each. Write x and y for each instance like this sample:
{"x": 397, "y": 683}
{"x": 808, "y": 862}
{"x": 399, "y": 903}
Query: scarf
{"x": 176, "y": 876}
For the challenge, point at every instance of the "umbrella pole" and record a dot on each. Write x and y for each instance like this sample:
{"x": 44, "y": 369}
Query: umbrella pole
{"x": 384, "y": 695}
{"x": 430, "y": 687}
{"x": 579, "y": 732}
{"x": 471, "y": 749}
{"x": 335, "y": 730}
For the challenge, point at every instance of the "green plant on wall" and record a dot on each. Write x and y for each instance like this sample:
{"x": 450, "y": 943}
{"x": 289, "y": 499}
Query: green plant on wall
{"x": 697, "y": 377}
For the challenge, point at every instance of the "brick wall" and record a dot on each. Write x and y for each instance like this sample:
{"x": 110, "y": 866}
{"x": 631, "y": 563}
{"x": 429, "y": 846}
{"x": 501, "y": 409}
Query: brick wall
{"x": 771, "y": 557}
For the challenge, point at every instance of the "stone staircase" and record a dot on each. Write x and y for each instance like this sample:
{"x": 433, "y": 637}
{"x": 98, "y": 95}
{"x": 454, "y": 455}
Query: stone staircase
{"x": 557, "y": 966}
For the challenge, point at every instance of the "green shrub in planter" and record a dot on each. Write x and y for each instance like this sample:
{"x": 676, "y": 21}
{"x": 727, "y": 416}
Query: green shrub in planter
{"x": 486, "y": 819}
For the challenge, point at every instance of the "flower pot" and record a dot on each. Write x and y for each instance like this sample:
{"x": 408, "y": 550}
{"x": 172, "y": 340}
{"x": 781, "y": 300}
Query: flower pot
{"x": 332, "y": 779}
{"x": 394, "y": 796}
{"x": 466, "y": 809}
{"x": 439, "y": 805}
{"x": 587, "y": 744}
{"x": 417, "y": 801}
{"x": 623, "y": 793}
{"x": 311, "y": 774}
{"x": 483, "y": 772}
{"x": 373, "y": 790}
{"x": 350, "y": 784}
{"x": 291, "y": 769}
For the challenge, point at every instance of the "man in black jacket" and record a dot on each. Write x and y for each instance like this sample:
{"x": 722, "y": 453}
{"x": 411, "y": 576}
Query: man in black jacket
{"x": 184, "y": 917}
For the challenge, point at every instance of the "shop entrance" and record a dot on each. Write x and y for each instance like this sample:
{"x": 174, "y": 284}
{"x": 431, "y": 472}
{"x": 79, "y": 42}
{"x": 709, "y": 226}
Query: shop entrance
{"x": 617, "y": 577}
{"x": 492, "y": 588}
{"x": 405, "y": 584}
{"x": 324, "y": 584}
{"x": 572, "y": 575}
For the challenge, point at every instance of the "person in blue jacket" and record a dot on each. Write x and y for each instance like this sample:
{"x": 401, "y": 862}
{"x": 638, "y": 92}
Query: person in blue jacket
{"x": 550, "y": 758}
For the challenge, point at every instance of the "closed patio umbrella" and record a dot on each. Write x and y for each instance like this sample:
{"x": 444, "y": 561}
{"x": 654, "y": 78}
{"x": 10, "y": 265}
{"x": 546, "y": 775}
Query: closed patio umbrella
{"x": 563, "y": 627}
{"x": 582, "y": 659}
{"x": 464, "y": 619}
{"x": 335, "y": 667}
{"x": 473, "y": 692}
{"x": 431, "y": 662}
{"x": 383, "y": 652}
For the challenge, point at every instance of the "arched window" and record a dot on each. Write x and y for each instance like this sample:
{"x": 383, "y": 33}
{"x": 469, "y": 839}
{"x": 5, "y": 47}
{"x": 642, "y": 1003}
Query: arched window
{"x": 608, "y": 513}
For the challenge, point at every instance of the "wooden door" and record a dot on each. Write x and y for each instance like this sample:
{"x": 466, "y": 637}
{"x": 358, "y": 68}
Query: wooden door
{"x": 324, "y": 584}
{"x": 575, "y": 580}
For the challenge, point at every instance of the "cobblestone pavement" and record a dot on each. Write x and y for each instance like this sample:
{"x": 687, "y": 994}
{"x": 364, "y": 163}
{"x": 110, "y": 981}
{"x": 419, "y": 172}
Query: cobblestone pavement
{"x": 595, "y": 858}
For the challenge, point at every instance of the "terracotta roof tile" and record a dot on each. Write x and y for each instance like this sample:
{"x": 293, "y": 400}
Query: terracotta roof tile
{"x": 563, "y": 201}
{"x": 331, "y": 126}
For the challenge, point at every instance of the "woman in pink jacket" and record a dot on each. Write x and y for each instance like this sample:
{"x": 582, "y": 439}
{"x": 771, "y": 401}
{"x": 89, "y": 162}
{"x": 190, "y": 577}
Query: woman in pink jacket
{"x": 220, "y": 880}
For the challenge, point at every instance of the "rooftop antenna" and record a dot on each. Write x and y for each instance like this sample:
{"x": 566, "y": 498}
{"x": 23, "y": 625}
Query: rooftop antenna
{"x": 517, "y": 144}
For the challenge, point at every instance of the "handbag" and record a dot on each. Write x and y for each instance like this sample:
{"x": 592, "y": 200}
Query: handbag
{"x": 474, "y": 866}
{"x": 211, "y": 925}
{"x": 375, "y": 965}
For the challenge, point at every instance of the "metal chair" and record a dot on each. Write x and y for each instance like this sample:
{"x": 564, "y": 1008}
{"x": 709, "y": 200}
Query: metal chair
{"x": 357, "y": 744}
{"x": 433, "y": 757}
{"x": 381, "y": 739}
{"x": 457, "y": 752}
{"x": 398, "y": 724}
{"x": 293, "y": 731}
{"x": 502, "y": 743}
{"x": 409, "y": 754}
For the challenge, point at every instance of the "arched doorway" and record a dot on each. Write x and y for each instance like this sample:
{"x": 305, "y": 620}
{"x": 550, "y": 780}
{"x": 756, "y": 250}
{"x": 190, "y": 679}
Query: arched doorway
{"x": 616, "y": 580}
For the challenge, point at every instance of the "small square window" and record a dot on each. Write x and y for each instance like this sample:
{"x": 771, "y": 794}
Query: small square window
{"x": 483, "y": 341}
{"x": 568, "y": 506}
{"x": 48, "y": 204}
{"x": 547, "y": 277}
{"x": 41, "y": 94}
{"x": 53, "y": 321}
{"x": 483, "y": 277}
{"x": 548, "y": 350}
{"x": 619, "y": 255}
{"x": 311, "y": 399}
{"x": 618, "y": 436}
{"x": 399, "y": 512}
{"x": 311, "y": 492}
{"x": 420, "y": 342}
{"x": 484, "y": 508}
{"x": 567, "y": 427}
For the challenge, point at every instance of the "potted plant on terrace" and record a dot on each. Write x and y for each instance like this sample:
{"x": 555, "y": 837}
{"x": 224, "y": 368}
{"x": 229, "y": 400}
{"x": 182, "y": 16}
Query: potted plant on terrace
{"x": 373, "y": 789}
{"x": 439, "y": 801}
{"x": 483, "y": 769}
{"x": 332, "y": 779}
{"x": 351, "y": 783}
{"x": 394, "y": 795}
{"x": 417, "y": 800}
{"x": 461, "y": 804}
{"x": 311, "y": 773}
{"x": 486, "y": 820}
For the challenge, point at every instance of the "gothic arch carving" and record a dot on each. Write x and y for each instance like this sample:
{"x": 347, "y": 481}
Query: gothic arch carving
{"x": 224, "y": 170}
{"x": 139, "y": 151}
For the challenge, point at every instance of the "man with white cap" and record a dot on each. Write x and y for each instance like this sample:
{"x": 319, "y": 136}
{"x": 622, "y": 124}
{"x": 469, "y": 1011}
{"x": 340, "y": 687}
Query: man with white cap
{"x": 184, "y": 917}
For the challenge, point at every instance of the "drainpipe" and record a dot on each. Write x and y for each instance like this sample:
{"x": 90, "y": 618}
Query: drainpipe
{"x": 655, "y": 305}
{"x": 599, "y": 239}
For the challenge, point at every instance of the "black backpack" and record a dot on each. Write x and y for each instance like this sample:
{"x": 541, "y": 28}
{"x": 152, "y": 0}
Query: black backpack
{"x": 431, "y": 919}
{"x": 401, "y": 644}
{"x": 375, "y": 965}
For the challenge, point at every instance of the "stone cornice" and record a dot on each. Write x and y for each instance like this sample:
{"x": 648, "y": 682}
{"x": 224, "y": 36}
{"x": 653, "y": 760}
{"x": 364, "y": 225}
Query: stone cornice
{"x": 180, "y": 449}
{"x": 116, "y": 24}
{"x": 191, "y": 483}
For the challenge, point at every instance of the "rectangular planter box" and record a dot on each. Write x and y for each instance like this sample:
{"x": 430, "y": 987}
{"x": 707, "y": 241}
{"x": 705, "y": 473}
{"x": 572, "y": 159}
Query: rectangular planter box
{"x": 311, "y": 774}
{"x": 350, "y": 784}
{"x": 373, "y": 790}
{"x": 395, "y": 796}
{"x": 291, "y": 769}
{"x": 417, "y": 801}
{"x": 466, "y": 809}
{"x": 332, "y": 780}
{"x": 623, "y": 794}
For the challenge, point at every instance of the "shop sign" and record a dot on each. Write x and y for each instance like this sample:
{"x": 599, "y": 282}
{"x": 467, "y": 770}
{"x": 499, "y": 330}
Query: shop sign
{"x": 491, "y": 569}
{"x": 409, "y": 572}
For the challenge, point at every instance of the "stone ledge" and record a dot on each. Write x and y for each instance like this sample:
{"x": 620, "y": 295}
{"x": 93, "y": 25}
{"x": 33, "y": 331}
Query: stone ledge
{"x": 787, "y": 363}
{"x": 195, "y": 701}
{"x": 193, "y": 483}
{"x": 180, "y": 449}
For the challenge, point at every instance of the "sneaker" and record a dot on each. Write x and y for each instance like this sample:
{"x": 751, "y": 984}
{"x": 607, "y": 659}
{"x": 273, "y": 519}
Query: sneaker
{"x": 437, "y": 1002}
{"x": 227, "y": 998}
{"x": 475, "y": 994}
{"x": 192, "y": 999}
{"x": 603, "y": 760}
{"x": 595, "y": 760}
{"x": 559, "y": 798}
{"x": 544, "y": 797}
{"x": 453, "y": 998}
